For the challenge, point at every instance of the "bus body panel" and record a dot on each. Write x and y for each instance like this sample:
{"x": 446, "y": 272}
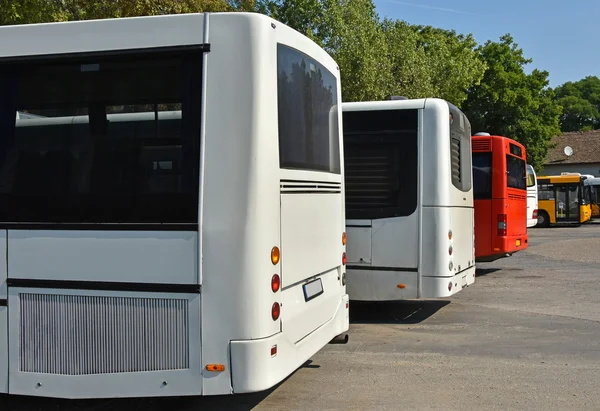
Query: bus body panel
{"x": 240, "y": 222}
{"x": 555, "y": 202}
{"x": 499, "y": 202}
{"x": 99, "y": 370}
{"x": 391, "y": 250}
{"x": 3, "y": 315}
{"x": 483, "y": 238}
{"x": 532, "y": 197}
{"x": 410, "y": 256}
{"x": 258, "y": 369}
{"x": 439, "y": 263}
{"x": 358, "y": 250}
{"x": 112, "y": 256}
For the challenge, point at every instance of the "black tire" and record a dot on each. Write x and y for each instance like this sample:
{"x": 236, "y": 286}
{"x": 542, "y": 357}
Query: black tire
{"x": 543, "y": 219}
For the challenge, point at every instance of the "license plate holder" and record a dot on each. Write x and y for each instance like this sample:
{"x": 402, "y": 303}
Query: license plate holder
{"x": 312, "y": 289}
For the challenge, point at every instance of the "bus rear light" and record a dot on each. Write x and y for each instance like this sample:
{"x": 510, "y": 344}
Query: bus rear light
{"x": 450, "y": 266}
{"x": 401, "y": 285}
{"x": 215, "y": 367}
{"x": 274, "y": 351}
{"x": 534, "y": 214}
{"x": 450, "y": 235}
{"x": 450, "y": 250}
{"x": 343, "y": 258}
{"x": 275, "y": 311}
{"x": 343, "y": 238}
{"x": 502, "y": 224}
{"x": 275, "y": 255}
{"x": 275, "y": 283}
{"x": 450, "y": 286}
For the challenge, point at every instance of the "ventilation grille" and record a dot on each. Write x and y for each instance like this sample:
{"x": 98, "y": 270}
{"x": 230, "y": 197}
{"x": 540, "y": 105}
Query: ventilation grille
{"x": 303, "y": 187}
{"x": 371, "y": 177}
{"x": 481, "y": 145}
{"x": 455, "y": 152}
{"x": 85, "y": 335}
{"x": 517, "y": 197}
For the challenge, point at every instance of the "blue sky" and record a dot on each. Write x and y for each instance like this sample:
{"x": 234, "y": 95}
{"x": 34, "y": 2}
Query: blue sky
{"x": 562, "y": 37}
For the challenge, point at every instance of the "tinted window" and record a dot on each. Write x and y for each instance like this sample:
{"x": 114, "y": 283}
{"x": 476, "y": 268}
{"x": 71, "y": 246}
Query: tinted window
{"x": 102, "y": 140}
{"x": 308, "y": 113}
{"x": 546, "y": 192}
{"x": 482, "y": 175}
{"x": 460, "y": 149}
{"x": 515, "y": 172}
{"x": 380, "y": 163}
{"x": 530, "y": 176}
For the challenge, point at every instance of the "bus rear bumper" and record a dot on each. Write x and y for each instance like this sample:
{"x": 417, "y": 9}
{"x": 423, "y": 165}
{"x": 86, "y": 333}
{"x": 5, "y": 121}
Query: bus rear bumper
{"x": 439, "y": 287}
{"x": 254, "y": 368}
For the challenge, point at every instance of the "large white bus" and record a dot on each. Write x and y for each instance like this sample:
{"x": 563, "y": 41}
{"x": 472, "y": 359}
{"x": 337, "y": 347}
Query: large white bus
{"x": 532, "y": 197}
{"x": 409, "y": 199}
{"x": 174, "y": 224}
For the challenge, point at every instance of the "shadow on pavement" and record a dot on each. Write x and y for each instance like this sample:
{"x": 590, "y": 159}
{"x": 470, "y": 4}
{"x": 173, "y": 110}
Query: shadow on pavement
{"x": 394, "y": 312}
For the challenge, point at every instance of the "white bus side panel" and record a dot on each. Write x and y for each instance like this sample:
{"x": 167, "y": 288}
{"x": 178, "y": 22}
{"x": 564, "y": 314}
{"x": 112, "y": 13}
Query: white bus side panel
{"x": 311, "y": 232}
{"x": 161, "y": 257}
{"x": 3, "y": 316}
{"x": 436, "y": 270}
{"x": 150, "y": 348}
{"x": 395, "y": 242}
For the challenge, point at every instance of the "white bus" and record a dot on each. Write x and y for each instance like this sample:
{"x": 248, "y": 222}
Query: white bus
{"x": 532, "y": 197}
{"x": 409, "y": 199}
{"x": 174, "y": 225}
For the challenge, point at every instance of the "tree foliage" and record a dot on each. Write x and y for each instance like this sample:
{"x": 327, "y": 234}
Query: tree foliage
{"x": 41, "y": 11}
{"x": 581, "y": 104}
{"x": 512, "y": 103}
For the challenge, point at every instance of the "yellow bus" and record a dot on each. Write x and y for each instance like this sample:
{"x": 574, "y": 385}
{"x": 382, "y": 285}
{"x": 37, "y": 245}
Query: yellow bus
{"x": 563, "y": 200}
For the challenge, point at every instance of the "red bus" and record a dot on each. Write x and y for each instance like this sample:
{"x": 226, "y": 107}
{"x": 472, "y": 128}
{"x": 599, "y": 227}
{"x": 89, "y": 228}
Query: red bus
{"x": 500, "y": 196}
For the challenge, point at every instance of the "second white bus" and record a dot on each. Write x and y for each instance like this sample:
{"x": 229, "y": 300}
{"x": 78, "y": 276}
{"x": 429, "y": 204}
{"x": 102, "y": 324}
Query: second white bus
{"x": 172, "y": 217}
{"x": 409, "y": 199}
{"x": 532, "y": 197}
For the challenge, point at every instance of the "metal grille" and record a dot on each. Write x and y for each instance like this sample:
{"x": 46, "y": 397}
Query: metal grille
{"x": 85, "y": 335}
{"x": 481, "y": 145}
{"x": 455, "y": 152}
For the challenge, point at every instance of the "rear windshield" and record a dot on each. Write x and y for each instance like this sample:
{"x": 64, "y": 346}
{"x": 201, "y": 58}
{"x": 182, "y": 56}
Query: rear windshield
{"x": 103, "y": 139}
{"x": 515, "y": 172}
{"x": 530, "y": 176}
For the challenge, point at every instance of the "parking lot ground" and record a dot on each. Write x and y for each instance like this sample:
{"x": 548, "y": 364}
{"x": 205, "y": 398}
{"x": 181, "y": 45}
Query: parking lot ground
{"x": 526, "y": 335}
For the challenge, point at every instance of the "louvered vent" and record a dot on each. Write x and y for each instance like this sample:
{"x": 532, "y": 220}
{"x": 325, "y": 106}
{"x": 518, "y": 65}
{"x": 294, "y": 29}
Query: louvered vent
{"x": 85, "y": 335}
{"x": 481, "y": 145}
{"x": 371, "y": 177}
{"x": 455, "y": 152}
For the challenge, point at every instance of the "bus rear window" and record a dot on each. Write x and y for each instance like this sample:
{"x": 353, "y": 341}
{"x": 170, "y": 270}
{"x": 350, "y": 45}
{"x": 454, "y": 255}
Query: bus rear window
{"x": 380, "y": 163}
{"x": 482, "y": 176}
{"x": 460, "y": 149}
{"x": 308, "y": 113}
{"x": 103, "y": 139}
{"x": 530, "y": 176}
{"x": 515, "y": 172}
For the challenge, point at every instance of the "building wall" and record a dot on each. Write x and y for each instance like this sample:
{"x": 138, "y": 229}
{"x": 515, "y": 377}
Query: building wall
{"x": 556, "y": 169}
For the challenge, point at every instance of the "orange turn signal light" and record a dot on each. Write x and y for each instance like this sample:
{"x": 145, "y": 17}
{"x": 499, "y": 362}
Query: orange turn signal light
{"x": 343, "y": 238}
{"x": 275, "y": 255}
{"x": 401, "y": 285}
{"x": 215, "y": 367}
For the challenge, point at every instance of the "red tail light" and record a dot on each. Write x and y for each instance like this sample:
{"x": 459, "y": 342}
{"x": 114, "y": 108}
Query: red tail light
{"x": 502, "y": 224}
{"x": 343, "y": 258}
{"x": 275, "y": 283}
{"x": 534, "y": 216}
{"x": 275, "y": 311}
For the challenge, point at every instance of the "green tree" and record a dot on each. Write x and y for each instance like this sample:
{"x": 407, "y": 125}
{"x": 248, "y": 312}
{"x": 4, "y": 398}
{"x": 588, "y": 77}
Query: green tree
{"x": 431, "y": 62}
{"x": 40, "y": 11}
{"x": 512, "y": 103}
{"x": 581, "y": 104}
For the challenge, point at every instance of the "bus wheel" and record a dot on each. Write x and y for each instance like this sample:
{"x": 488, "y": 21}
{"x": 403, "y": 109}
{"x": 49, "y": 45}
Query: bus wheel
{"x": 543, "y": 220}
